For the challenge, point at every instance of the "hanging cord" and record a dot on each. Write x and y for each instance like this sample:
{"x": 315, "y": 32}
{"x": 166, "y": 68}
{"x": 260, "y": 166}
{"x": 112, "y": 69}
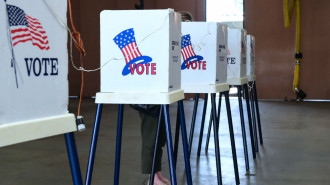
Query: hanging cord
{"x": 80, "y": 47}
{"x": 288, "y": 12}
{"x": 74, "y": 36}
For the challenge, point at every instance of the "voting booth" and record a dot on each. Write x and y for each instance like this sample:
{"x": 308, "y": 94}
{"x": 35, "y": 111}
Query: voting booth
{"x": 140, "y": 54}
{"x": 33, "y": 71}
{"x": 236, "y": 55}
{"x": 140, "y": 64}
{"x": 250, "y": 57}
{"x": 203, "y": 53}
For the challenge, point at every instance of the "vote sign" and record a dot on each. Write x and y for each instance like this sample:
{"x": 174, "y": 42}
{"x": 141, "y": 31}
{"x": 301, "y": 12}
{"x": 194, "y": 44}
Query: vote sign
{"x": 203, "y": 51}
{"x": 34, "y": 60}
{"x": 140, "y": 50}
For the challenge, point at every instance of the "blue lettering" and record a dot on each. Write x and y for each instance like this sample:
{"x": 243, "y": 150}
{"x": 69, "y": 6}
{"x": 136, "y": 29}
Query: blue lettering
{"x": 34, "y": 66}
{"x": 28, "y": 66}
{"x": 54, "y": 63}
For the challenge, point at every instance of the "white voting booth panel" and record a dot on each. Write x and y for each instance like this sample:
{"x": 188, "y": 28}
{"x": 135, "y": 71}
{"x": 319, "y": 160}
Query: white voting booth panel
{"x": 33, "y": 71}
{"x": 236, "y": 56}
{"x": 146, "y": 47}
{"x": 250, "y": 57}
{"x": 204, "y": 56}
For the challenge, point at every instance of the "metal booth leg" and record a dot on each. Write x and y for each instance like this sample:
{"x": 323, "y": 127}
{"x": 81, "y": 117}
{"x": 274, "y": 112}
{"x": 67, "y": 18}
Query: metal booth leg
{"x": 118, "y": 143}
{"x": 176, "y": 139}
{"x": 202, "y": 126}
{"x": 73, "y": 158}
{"x": 208, "y": 133}
{"x": 239, "y": 89}
{"x": 193, "y": 121}
{"x": 92, "y": 150}
{"x": 254, "y": 119}
{"x": 216, "y": 139}
{"x": 246, "y": 155}
{"x": 152, "y": 174}
{"x": 232, "y": 137}
{"x": 249, "y": 119}
{"x": 258, "y": 113}
{"x": 169, "y": 144}
{"x": 186, "y": 153}
{"x": 210, "y": 124}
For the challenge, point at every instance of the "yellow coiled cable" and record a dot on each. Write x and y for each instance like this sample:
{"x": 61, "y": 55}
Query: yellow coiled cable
{"x": 288, "y": 12}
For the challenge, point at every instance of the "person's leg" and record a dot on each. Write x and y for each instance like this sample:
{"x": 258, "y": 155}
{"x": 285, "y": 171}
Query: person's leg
{"x": 148, "y": 132}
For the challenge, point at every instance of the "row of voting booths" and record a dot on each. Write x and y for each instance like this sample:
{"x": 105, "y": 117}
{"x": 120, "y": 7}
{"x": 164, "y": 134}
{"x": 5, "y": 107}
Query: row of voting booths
{"x": 151, "y": 57}
{"x": 147, "y": 57}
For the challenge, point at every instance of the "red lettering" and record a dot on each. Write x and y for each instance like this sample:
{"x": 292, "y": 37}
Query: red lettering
{"x": 193, "y": 65}
{"x": 132, "y": 68}
{"x": 204, "y": 65}
{"x": 188, "y": 64}
{"x": 147, "y": 68}
{"x": 199, "y": 64}
{"x": 153, "y": 68}
{"x": 140, "y": 72}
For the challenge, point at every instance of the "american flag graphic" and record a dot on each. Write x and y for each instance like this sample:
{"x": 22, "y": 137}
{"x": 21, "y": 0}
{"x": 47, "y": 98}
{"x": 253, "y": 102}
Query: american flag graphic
{"x": 24, "y": 28}
{"x": 127, "y": 44}
{"x": 186, "y": 49}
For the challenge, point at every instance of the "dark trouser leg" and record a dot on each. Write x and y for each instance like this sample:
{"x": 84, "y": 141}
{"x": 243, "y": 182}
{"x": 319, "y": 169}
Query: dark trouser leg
{"x": 152, "y": 174}
{"x": 148, "y": 133}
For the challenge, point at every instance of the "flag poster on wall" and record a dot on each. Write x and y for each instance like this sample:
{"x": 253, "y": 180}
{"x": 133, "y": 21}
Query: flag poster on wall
{"x": 34, "y": 60}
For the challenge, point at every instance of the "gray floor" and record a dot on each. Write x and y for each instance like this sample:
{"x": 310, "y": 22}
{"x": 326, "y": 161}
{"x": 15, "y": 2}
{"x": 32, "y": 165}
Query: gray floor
{"x": 296, "y": 149}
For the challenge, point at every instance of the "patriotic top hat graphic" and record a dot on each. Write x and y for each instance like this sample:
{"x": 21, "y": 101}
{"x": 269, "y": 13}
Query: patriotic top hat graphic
{"x": 127, "y": 44}
{"x": 187, "y": 52}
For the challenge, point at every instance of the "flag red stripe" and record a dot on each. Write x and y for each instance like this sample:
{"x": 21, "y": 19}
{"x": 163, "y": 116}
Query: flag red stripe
{"x": 19, "y": 30}
{"x": 33, "y": 21}
{"x": 35, "y": 27}
{"x": 35, "y": 44}
{"x": 37, "y": 34}
{"x": 34, "y": 38}
{"x": 20, "y": 36}
{"x": 31, "y": 17}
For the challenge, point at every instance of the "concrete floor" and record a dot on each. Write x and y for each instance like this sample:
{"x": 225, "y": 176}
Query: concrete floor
{"x": 296, "y": 149}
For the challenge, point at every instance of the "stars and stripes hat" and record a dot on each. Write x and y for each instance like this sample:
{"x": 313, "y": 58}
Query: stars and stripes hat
{"x": 24, "y": 28}
{"x": 187, "y": 51}
{"x": 126, "y": 42}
